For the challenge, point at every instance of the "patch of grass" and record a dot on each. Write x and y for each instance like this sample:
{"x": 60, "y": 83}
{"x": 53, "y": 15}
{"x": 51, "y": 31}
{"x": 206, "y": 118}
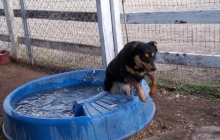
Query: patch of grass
{"x": 166, "y": 84}
{"x": 162, "y": 84}
{"x": 193, "y": 88}
{"x": 210, "y": 91}
{"x": 204, "y": 70}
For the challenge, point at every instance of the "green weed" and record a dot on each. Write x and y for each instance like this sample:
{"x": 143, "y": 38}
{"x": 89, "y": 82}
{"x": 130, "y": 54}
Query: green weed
{"x": 210, "y": 91}
{"x": 193, "y": 88}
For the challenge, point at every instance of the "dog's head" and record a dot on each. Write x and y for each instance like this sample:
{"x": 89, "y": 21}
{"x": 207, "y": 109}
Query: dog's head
{"x": 144, "y": 55}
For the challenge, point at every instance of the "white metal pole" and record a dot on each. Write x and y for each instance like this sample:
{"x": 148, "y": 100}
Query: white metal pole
{"x": 9, "y": 14}
{"x": 116, "y": 26}
{"x": 105, "y": 31}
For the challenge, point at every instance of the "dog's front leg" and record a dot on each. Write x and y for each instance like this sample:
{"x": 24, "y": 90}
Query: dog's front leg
{"x": 137, "y": 86}
{"x": 129, "y": 79}
{"x": 153, "y": 88}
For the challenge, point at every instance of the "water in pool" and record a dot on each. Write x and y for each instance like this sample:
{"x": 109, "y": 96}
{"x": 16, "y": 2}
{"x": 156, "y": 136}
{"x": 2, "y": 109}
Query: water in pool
{"x": 56, "y": 103}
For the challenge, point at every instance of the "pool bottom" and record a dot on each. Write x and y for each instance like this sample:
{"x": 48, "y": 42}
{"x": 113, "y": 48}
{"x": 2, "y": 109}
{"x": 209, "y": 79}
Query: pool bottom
{"x": 57, "y": 103}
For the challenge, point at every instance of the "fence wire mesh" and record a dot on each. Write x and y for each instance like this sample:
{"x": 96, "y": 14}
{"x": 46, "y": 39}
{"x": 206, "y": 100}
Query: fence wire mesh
{"x": 184, "y": 38}
{"x": 63, "y": 34}
{"x": 170, "y": 5}
{"x": 4, "y": 45}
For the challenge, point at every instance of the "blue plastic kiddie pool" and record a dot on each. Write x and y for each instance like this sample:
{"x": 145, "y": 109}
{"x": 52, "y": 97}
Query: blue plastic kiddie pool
{"x": 102, "y": 116}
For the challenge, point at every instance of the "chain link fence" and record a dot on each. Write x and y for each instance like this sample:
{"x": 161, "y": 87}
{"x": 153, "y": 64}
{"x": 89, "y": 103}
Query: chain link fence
{"x": 169, "y": 5}
{"x": 184, "y": 38}
{"x": 4, "y": 45}
{"x": 63, "y": 34}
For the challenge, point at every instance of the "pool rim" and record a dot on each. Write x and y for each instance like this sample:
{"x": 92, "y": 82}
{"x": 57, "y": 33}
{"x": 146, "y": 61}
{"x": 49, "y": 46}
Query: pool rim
{"x": 7, "y": 107}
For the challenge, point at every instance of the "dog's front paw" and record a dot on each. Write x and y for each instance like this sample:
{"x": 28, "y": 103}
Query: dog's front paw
{"x": 142, "y": 95}
{"x": 152, "y": 93}
{"x": 153, "y": 87}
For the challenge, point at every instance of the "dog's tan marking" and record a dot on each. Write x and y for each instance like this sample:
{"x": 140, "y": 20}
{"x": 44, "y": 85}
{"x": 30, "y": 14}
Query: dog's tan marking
{"x": 153, "y": 88}
{"x": 152, "y": 54}
{"x": 155, "y": 44}
{"x": 140, "y": 63}
{"x": 147, "y": 66}
{"x": 136, "y": 44}
{"x": 146, "y": 55}
{"x": 139, "y": 89}
{"x": 140, "y": 92}
{"x": 130, "y": 70}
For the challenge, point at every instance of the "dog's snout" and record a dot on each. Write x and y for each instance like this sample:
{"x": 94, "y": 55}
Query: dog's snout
{"x": 153, "y": 68}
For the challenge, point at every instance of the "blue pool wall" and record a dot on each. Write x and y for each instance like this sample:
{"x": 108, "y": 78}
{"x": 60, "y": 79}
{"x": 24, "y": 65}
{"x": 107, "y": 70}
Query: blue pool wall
{"x": 116, "y": 124}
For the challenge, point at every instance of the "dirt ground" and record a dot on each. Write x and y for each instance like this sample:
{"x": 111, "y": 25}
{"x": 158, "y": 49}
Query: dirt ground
{"x": 174, "y": 112}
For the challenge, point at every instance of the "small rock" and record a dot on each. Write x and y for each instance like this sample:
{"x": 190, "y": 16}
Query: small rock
{"x": 215, "y": 114}
{"x": 178, "y": 95}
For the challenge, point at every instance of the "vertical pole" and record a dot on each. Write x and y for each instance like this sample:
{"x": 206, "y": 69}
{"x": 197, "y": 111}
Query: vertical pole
{"x": 116, "y": 25}
{"x": 105, "y": 31}
{"x": 26, "y": 32}
{"x": 9, "y": 14}
{"x": 124, "y": 16}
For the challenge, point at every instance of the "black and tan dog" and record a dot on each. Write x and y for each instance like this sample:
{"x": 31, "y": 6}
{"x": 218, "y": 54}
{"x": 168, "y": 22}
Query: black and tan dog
{"x": 128, "y": 68}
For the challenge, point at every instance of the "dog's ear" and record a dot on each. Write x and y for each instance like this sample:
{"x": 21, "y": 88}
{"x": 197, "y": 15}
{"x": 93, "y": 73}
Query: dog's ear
{"x": 153, "y": 43}
{"x": 134, "y": 47}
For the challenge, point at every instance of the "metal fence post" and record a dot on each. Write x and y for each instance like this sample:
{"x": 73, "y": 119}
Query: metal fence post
{"x": 105, "y": 31}
{"x": 116, "y": 25}
{"x": 26, "y": 32}
{"x": 9, "y": 14}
